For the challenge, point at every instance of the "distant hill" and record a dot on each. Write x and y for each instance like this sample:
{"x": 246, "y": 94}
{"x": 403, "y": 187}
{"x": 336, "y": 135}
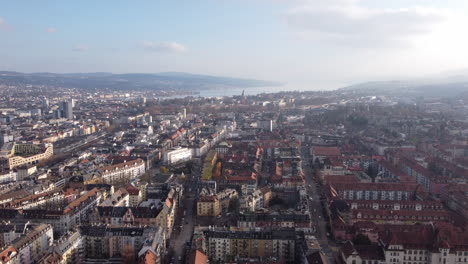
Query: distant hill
{"x": 131, "y": 81}
{"x": 440, "y": 86}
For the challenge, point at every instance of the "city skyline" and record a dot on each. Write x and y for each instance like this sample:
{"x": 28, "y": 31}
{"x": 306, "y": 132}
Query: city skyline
{"x": 307, "y": 44}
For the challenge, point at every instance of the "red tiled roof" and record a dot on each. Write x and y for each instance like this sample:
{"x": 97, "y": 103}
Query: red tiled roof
{"x": 208, "y": 198}
{"x": 132, "y": 190}
{"x": 348, "y": 178}
{"x": 149, "y": 258}
{"x": 168, "y": 202}
{"x": 371, "y": 214}
{"x": 197, "y": 257}
{"x": 80, "y": 200}
{"x": 326, "y": 151}
{"x": 375, "y": 186}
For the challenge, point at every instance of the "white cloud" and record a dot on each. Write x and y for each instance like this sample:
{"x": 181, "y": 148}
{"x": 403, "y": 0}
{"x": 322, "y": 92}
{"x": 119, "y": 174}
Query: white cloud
{"x": 80, "y": 48}
{"x": 164, "y": 46}
{"x": 349, "y": 22}
{"x": 51, "y": 30}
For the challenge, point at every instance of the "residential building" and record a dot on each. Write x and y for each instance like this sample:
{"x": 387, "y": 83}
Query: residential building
{"x": 280, "y": 244}
{"x": 13, "y": 155}
{"x": 208, "y": 205}
{"x": 30, "y": 247}
{"x": 177, "y": 155}
{"x": 122, "y": 172}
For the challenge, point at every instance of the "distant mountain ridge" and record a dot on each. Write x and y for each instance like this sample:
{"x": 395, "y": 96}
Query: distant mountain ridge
{"x": 441, "y": 86}
{"x": 131, "y": 81}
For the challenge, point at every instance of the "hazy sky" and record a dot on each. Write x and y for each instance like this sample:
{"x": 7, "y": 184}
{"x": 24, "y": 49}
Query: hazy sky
{"x": 310, "y": 44}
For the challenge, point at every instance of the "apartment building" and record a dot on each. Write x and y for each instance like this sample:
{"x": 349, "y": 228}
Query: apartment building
{"x": 437, "y": 246}
{"x": 280, "y": 244}
{"x": 259, "y": 199}
{"x": 66, "y": 250}
{"x": 372, "y": 191}
{"x": 408, "y": 244}
{"x": 122, "y": 172}
{"x": 8, "y": 176}
{"x": 13, "y": 154}
{"x": 298, "y": 221}
{"x": 120, "y": 198}
{"x": 30, "y": 247}
{"x": 104, "y": 242}
{"x": 120, "y": 216}
{"x": 65, "y": 219}
{"x": 177, "y": 155}
{"x": 208, "y": 205}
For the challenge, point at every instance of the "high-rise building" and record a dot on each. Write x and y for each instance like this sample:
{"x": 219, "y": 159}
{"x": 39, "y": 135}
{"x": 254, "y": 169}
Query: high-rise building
{"x": 58, "y": 114}
{"x": 67, "y": 109}
{"x": 45, "y": 104}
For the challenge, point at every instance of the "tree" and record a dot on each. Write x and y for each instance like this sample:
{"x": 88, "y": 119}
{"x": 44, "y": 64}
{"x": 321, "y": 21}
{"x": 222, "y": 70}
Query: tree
{"x": 361, "y": 239}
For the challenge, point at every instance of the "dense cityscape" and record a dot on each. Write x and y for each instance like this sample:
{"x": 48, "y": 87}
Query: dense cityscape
{"x": 234, "y": 132}
{"x": 295, "y": 177}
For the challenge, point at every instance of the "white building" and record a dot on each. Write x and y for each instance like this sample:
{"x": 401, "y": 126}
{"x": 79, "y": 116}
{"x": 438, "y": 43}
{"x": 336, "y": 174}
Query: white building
{"x": 123, "y": 171}
{"x": 66, "y": 249}
{"x": 10, "y": 176}
{"x": 177, "y": 155}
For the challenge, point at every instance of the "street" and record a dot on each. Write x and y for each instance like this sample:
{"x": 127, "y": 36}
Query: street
{"x": 315, "y": 207}
{"x": 184, "y": 224}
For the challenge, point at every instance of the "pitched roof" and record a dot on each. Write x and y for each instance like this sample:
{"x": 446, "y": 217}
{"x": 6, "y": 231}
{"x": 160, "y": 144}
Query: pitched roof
{"x": 132, "y": 190}
{"x": 326, "y": 151}
{"x": 197, "y": 257}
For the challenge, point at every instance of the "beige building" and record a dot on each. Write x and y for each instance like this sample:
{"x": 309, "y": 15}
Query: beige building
{"x": 278, "y": 245}
{"x": 13, "y": 155}
{"x": 208, "y": 205}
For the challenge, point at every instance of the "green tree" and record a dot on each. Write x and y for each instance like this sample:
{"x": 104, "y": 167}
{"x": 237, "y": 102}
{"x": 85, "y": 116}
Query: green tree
{"x": 361, "y": 239}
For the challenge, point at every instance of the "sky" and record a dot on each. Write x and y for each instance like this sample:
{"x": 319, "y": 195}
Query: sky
{"x": 307, "y": 44}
